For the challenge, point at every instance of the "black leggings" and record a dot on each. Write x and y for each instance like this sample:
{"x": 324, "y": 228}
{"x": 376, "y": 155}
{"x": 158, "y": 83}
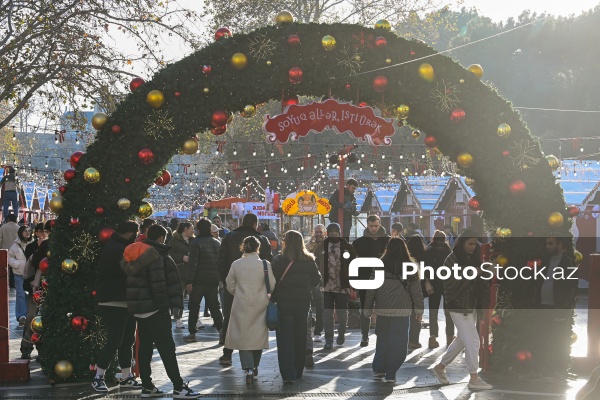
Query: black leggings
{"x": 120, "y": 332}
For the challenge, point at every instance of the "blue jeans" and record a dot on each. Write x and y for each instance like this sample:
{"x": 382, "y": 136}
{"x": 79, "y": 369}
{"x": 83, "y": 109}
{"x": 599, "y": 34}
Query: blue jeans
{"x": 291, "y": 339}
{"x": 391, "y": 347}
{"x": 21, "y": 298}
{"x": 10, "y": 197}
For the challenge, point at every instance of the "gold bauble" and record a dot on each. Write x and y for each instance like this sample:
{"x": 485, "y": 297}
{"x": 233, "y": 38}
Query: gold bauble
{"x": 91, "y": 175}
{"x": 63, "y": 369}
{"x": 249, "y": 111}
{"x": 145, "y": 210}
{"x": 388, "y": 61}
{"x": 56, "y": 204}
{"x": 555, "y": 219}
{"x": 476, "y": 69}
{"x": 123, "y": 203}
{"x": 465, "y": 160}
{"x": 55, "y": 193}
{"x": 69, "y": 266}
{"x": 269, "y": 63}
{"x": 578, "y": 257}
{"x": 206, "y": 90}
{"x": 239, "y": 61}
{"x": 504, "y": 130}
{"x": 36, "y": 325}
{"x": 48, "y": 254}
{"x": 426, "y": 72}
{"x": 155, "y": 98}
{"x": 401, "y": 112}
{"x": 416, "y": 134}
{"x": 284, "y": 17}
{"x": 383, "y": 24}
{"x": 502, "y": 260}
{"x": 190, "y": 146}
{"x": 504, "y": 232}
{"x": 469, "y": 181}
{"x": 553, "y": 162}
{"x": 99, "y": 120}
{"x": 328, "y": 42}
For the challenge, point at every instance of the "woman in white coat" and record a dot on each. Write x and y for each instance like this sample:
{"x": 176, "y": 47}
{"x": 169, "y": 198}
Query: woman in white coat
{"x": 17, "y": 261}
{"x": 248, "y": 331}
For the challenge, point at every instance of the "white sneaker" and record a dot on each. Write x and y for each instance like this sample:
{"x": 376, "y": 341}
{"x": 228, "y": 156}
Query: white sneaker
{"x": 179, "y": 324}
{"x": 317, "y": 339}
{"x": 480, "y": 384}
{"x": 199, "y": 325}
{"x": 441, "y": 376}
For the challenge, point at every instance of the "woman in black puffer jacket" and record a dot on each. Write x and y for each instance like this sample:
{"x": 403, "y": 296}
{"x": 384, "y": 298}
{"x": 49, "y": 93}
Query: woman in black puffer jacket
{"x": 180, "y": 250}
{"x": 202, "y": 279}
{"x": 293, "y": 294}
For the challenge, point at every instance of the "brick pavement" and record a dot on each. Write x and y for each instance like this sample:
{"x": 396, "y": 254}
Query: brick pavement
{"x": 344, "y": 372}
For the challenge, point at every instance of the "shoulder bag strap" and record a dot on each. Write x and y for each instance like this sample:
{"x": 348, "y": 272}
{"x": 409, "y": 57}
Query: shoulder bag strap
{"x": 282, "y": 276}
{"x": 266, "y": 276}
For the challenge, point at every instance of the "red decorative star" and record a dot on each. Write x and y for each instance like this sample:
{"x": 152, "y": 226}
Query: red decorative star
{"x": 363, "y": 41}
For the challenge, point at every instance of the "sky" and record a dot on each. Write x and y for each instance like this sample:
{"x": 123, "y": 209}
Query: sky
{"x": 500, "y": 10}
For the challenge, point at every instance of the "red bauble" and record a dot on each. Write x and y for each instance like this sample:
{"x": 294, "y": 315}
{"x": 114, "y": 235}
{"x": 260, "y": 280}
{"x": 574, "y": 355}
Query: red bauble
{"x": 523, "y": 356}
{"x": 44, "y": 265}
{"x": 177, "y": 94}
{"x": 517, "y": 187}
{"x": 219, "y": 118}
{"x": 222, "y": 33}
{"x": 206, "y": 69}
{"x": 105, "y": 234}
{"x": 380, "y": 42}
{"x": 38, "y": 297}
{"x": 146, "y": 156}
{"x": 52, "y": 223}
{"x": 457, "y": 115}
{"x": 533, "y": 263}
{"x": 116, "y": 129}
{"x": 79, "y": 323}
{"x": 164, "y": 179}
{"x": 136, "y": 83}
{"x": 294, "y": 40}
{"x": 62, "y": 189}
{"x": 573, "y": 211}
{"x": 362, "y": 104}
{"x": 99, "y": 210}
{"x": 74, "y": 222}
{"x": 36, "y": 338}
{"x": 380, "y": 83}
{"x": 93, "y": 293}
{"x": 412, "y": 53}
{"x": 69, "y": 175}
{"x": 290, "y": 101}
{"x": 474, "y": 204}
{"x": 506, "y": 153}
{"x": 295, "y": 75}
{"x": 219, "y": 130}
{"x": 348, "y": 86}
{"x": 75, "y": 158}
{"x": 496, "y": 320}
{"x": 127, "y": 180}
{"x": 430, "y": 141}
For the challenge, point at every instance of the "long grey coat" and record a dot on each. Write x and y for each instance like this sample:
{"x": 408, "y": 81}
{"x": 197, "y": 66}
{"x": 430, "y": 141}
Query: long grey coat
{"x": 248, "y": 325}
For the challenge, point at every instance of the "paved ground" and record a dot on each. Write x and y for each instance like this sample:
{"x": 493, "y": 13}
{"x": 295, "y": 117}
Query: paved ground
{"x": 344, "y": 372}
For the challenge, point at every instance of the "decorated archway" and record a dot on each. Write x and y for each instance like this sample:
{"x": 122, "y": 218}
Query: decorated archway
{"x": 465, "y": 119}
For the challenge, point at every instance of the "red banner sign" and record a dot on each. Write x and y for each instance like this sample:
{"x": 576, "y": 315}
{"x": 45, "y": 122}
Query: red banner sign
{"x": 298, "y": 120}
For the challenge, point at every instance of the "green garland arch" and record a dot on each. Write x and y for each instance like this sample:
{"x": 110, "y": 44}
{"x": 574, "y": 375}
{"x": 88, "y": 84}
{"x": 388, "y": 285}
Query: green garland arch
{"x": 189, "y": 105}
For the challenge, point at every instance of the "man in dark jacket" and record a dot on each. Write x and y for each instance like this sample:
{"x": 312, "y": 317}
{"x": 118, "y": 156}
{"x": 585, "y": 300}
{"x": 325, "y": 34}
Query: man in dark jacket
{"x": 555, "y": 297}
{"x": 230, "y": 252}
{"x": 112, "y": 308}
{"x": 153, "y": 287}
{"x": 202, "y": 279}
{"x": 348, "y": 205}
{"x": 333, "y": 258}
{"x": 266, "y": 231}
{"x": 371, "y": 244}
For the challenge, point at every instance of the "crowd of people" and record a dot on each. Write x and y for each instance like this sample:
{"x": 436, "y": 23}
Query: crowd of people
{"x": 146, "y": 270}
